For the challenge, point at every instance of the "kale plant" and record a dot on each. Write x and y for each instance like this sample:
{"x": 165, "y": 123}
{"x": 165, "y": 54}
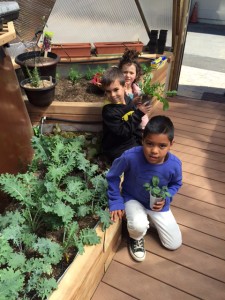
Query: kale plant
{"x": 60, "y": 188}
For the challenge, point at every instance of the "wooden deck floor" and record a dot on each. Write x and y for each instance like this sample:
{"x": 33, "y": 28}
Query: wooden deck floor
{"x": 197, "y": 269}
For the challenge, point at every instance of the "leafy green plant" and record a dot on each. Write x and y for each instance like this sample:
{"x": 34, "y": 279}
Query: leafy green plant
{"x": 57, "y": 76}
{"x": 60, "y": 188}
{"x": 146, "y": 68}
{"x": 89, "y": 73}
{"x": 74, "y": 75}
{"x": 155, "y": 190}
{"x": 156, "y": 90}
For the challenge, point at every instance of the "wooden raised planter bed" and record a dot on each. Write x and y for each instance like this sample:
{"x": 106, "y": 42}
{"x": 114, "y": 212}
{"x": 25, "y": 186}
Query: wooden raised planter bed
{"x": 117, "y": 47}
{"x": 72, "y": 50}
{"x": 7, "y": 34}
{"x": 83, "y": 111}
{"x": 86, "y": 271}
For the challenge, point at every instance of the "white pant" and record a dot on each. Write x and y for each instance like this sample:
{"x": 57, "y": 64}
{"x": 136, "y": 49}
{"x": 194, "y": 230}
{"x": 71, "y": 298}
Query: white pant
{"x": 164, "y": 222}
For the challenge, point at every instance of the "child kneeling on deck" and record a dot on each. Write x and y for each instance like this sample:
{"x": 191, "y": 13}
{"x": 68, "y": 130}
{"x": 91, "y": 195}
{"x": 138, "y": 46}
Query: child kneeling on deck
{"x": 139, "y": 164}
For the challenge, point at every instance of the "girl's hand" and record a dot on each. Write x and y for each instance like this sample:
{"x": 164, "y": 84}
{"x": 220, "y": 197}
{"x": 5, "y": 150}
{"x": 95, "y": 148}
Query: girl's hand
{"x": 116, "y": 214}
{"x": 144, "y": 107}
{"x": 159, "y": 205}
{"x": 137, "y": 100}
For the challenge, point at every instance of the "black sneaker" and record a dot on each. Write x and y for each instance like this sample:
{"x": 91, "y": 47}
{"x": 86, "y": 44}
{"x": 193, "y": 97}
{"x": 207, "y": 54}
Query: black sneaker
{"x": 137, "y": 250}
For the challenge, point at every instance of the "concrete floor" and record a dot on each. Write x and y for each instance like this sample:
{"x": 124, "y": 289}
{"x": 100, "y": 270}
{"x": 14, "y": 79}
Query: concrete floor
{"x": 203, "y": 70}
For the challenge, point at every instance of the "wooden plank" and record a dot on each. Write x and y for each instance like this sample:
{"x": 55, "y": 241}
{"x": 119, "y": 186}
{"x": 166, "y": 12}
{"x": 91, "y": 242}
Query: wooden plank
{"x": 200, "y": 137}
{"x": 91, "y": 280}
{"x": 106, "y": 292}
{"x": 189, "y": 258}
{"x": 201, "y": 208}
{"x": 208, "y": 184}
{"x": 187, "y": 140}
{"x": 172, "y": 273}
{"x": 213, "y": 131}
{"x": 200, "y": 223}
{"x": 77, "y": 118}
{"x": 141, "y": 286}
{"x": 98, "y": 269}
{"x": 200, "y": 120}
{"x": 203, "y": 242}
{"x": 67, "y": 108}
{"x": 96, "y": 59}
{"x": 7, "y": 34}
{"x": 198, "y": 152}
{"x": 198, "y": 114}
{"x": 204, "y": 171}
{"x": 199, "y": 161}
{"x": 113, "y": 231}
{"x": 111, "y": 242}
{"x": 77, "y": 111}
{"x": 180, "y": 101}
{"x": 202, "y": 194}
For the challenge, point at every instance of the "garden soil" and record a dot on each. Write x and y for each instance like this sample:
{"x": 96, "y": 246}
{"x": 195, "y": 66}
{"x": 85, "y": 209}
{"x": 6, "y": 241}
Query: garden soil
{"x": 82, "y": 91}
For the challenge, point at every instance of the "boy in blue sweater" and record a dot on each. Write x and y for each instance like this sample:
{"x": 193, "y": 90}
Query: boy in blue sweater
{"x": 139, "y": 165}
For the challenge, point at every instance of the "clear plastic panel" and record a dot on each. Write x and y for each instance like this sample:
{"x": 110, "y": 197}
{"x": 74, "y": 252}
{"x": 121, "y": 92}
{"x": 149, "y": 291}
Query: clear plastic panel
{"x": 89, "y": 21}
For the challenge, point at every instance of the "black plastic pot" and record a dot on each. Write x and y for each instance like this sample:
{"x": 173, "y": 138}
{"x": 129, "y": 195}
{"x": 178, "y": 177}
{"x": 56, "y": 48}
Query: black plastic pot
{"x": 39, "y": 96}
{"x": 146, "y": 98}
{"x": 46, "y": 66}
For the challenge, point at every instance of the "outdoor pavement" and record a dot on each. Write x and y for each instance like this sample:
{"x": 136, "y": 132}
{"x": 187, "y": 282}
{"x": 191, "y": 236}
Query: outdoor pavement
{"x": 203, "y": 70}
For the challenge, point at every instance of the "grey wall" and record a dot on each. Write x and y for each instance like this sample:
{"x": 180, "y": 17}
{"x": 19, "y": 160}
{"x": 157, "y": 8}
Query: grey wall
{"x": 211, "y": 12}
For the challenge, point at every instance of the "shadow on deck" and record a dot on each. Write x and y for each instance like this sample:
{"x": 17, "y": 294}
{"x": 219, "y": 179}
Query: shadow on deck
{"x": 197, "y": 269}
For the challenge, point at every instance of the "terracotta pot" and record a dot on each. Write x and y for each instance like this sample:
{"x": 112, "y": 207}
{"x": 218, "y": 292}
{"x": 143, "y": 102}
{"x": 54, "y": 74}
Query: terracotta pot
{"x": 46, "y": 66}
{"x": 70, "y": 50}
{"x": 117, "y": 47}
{"x": 39, "y": 96}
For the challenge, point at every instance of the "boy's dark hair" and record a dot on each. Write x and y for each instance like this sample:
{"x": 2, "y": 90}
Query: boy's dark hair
{"x": 159, "y": 125}
{"x": 112, "y": 74}
{"x": 131, "y": 57}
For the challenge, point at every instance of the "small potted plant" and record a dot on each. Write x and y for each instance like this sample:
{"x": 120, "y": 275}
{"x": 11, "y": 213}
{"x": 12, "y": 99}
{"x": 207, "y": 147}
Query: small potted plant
{"x": 157, "y": 193}
{"x": 45, "y": 60}
{"x": 40, "y": 90}
{"x": 154, "y": 91}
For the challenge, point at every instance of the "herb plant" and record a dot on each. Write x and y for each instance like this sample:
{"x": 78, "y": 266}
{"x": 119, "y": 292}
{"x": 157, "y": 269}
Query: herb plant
{"x": 34, "y": 77}
{"x": 60, "y": 188}
{"x": 155, "y": 90}
{"x": 74, "y": 75}
{"x": 155, "y": 190}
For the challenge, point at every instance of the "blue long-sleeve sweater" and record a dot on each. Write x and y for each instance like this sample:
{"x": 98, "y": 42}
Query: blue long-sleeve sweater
{"x": 137, "y": 171}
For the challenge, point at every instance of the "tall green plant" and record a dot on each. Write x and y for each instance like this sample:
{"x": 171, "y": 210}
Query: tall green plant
{"x": 74, "y": 75}
{"x": 155, "y": 89}
{"x": 60, "y": 188}
{"x": 34, "y": 76}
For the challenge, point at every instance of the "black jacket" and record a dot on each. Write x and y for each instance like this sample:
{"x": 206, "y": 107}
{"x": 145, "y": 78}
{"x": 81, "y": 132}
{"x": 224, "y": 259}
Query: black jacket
{"x": 121, "y": 128}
